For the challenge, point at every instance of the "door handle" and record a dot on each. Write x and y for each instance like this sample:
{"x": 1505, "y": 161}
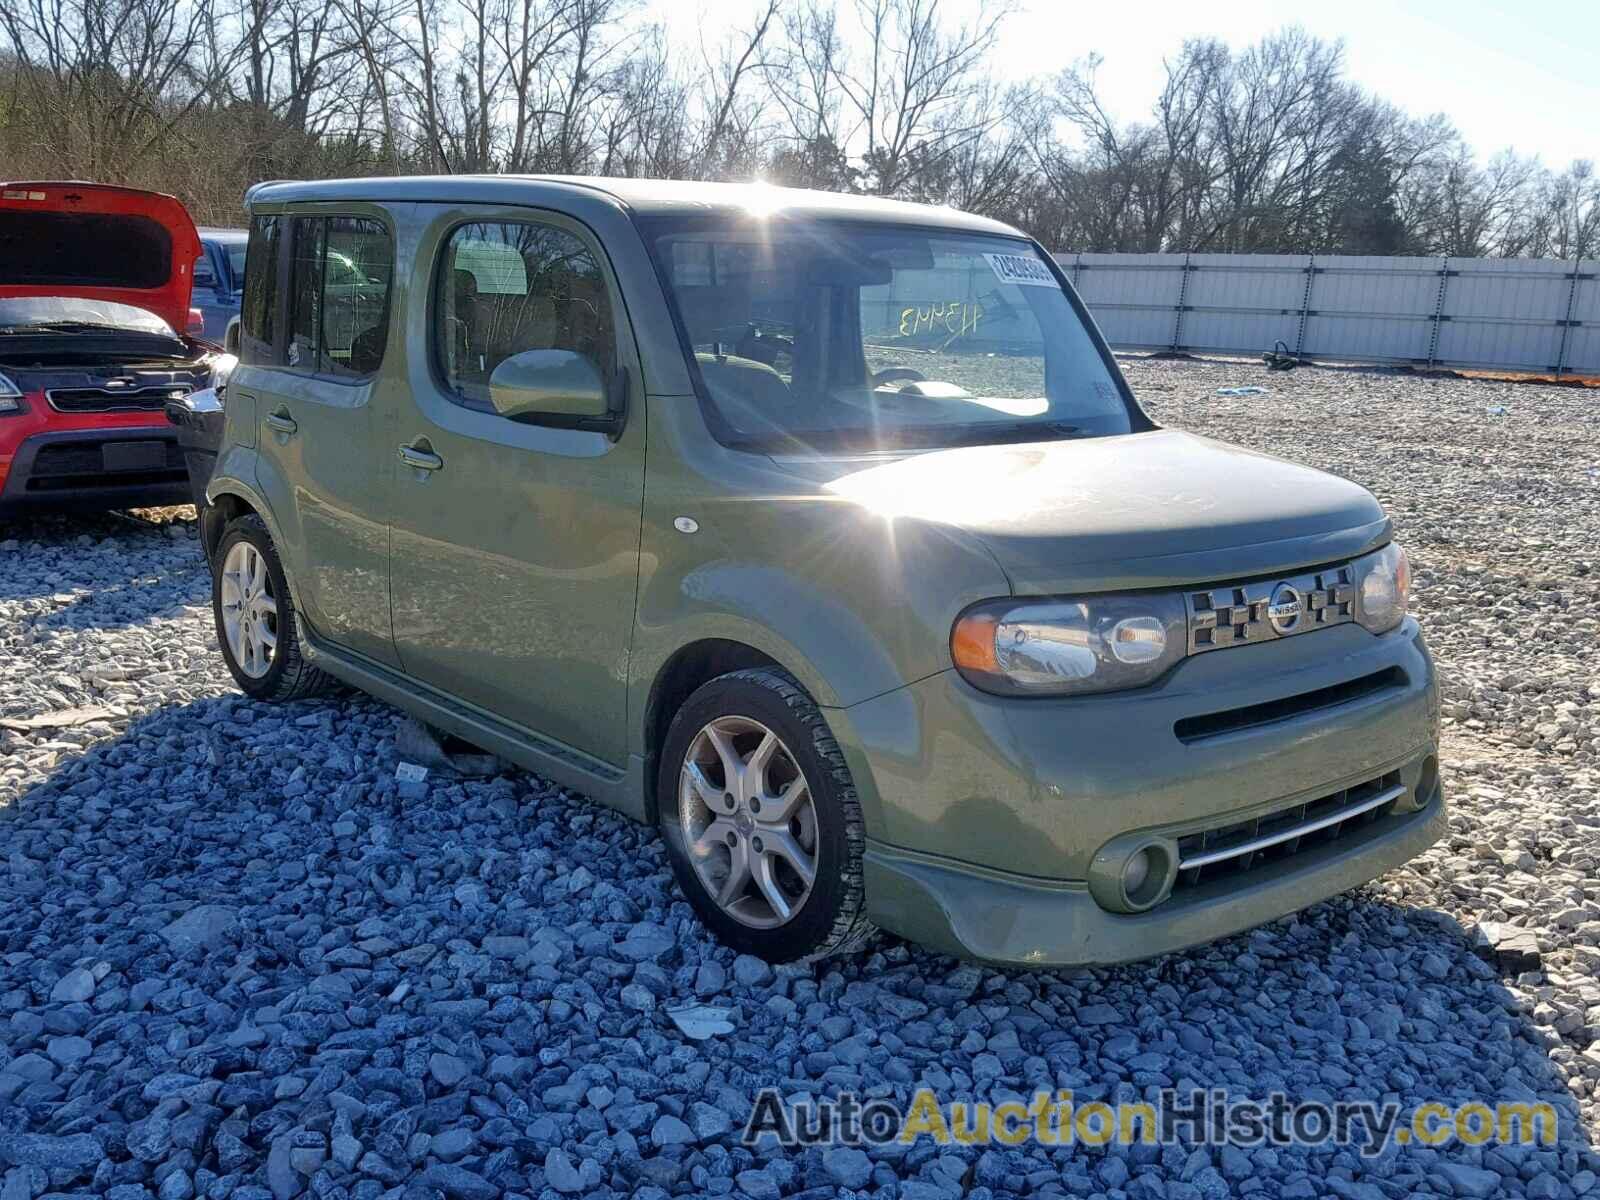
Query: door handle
{"x": 281, "y": 422}
{"x": 422, "y": 460}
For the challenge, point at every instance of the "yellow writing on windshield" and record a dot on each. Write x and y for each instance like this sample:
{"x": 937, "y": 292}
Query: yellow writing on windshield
{"x": 954, "y": 317}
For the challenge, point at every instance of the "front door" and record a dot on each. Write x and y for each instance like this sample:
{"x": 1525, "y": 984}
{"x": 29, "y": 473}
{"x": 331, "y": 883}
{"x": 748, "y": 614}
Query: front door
{"x": 317, "y": 325}
{"x": 515, "y": 548}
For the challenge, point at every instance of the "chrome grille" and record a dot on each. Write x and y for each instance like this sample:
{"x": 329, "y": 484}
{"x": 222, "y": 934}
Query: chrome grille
{"x": 1230, "y": 849}
{"x": 149, "y": 398}
{"x": 1240, "y": 614}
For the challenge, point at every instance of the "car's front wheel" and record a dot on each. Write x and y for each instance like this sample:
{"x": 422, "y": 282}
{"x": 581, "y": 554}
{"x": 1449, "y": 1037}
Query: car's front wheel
{"x": 761, "y": 819}
{"x": 255, "y": 616}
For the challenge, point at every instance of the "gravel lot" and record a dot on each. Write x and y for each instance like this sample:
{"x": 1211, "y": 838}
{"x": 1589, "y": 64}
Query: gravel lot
{"x": 236, "y": 961}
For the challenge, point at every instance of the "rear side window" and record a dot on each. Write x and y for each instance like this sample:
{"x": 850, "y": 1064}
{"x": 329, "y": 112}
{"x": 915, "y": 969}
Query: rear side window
{"x": 305, "y": 291}
{"x": 258, "y": 320}
{"x": 506, "y": 287}
{"x": 339, "y": 280}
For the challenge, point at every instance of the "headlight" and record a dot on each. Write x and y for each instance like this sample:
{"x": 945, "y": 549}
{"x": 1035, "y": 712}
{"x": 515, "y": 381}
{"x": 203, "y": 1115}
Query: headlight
{"x": 1070, "y": 645}
{"x": 10, "y": 396}
{"x": 1383, "y": 579}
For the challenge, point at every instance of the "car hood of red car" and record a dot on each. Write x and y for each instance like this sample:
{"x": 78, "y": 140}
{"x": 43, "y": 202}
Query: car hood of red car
{"x": 98, "y": 242}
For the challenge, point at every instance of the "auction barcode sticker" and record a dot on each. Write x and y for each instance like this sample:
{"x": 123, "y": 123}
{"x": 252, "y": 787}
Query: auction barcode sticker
{"x": 1021, "y": 268}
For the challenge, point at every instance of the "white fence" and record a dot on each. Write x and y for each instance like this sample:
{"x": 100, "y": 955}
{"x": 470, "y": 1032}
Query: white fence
{"x": 1536, "y": 315}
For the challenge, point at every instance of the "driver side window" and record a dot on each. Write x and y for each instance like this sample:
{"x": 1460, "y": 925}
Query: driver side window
{"x": 505, "y": 287}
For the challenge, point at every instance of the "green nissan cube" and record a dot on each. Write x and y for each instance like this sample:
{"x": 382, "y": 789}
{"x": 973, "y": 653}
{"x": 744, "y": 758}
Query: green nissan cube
{"x": 824, "y": 534}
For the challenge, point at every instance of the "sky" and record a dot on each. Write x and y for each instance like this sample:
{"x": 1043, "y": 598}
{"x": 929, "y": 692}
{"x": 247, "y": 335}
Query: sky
{"x": 1520, "y": 75}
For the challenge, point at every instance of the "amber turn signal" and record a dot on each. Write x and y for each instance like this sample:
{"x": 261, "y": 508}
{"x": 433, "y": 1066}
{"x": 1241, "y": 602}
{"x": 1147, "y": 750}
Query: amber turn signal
{"x": 972, "y": 642}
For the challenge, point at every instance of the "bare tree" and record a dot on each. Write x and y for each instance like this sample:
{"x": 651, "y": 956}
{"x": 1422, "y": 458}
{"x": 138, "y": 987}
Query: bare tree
{"x": 577, "y": 90}
{"x": 916, "y": 73}
{"x": 1567, "y": 220}
{"x": 803, "y": 77}
{"x": 370, "y": 27}
{"x": 727, "y": 78}
{"x": 1262, "y": 147}
{"x": 424, "y": 52}
{"x": 644, "y": 127}
{"x": 108, "y": 81}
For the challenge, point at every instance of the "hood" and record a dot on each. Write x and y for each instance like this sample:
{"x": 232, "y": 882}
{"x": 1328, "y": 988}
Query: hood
{"x": 98, "y": 242}
{"x": 1157, "y": 509}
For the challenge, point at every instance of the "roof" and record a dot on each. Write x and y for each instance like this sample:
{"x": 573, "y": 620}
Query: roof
{"x": 210, "y": 234}
{"x": 643, "y": 197}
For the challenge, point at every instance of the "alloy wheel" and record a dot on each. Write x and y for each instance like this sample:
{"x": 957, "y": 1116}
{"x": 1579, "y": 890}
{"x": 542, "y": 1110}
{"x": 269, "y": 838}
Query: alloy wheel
{"x": 748, "y": 821}
{"x": 249, "y": 609}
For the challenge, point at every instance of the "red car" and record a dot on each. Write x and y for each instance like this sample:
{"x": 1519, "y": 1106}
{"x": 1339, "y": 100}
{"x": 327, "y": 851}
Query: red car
{"x": 95, "y": 285}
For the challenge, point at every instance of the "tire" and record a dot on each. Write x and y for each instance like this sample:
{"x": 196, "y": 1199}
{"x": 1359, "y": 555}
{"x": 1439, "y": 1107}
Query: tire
{"x": 805, "y": 767}
{"x": 285, "y": 675}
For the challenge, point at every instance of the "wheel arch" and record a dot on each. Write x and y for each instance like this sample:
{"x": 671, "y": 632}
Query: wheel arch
{"x": 235, "y": 497}
{"x": 688, "y": 669}
{"x": 217, "y": 516}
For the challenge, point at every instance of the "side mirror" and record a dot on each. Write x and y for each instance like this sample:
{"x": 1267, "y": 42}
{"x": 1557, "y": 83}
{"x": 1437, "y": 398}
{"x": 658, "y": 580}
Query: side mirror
{"x": 230, "y": 336}
{"x": 222, "y": 366}
{"x": 558, "y": 388}
{"x": 206, "y": 400}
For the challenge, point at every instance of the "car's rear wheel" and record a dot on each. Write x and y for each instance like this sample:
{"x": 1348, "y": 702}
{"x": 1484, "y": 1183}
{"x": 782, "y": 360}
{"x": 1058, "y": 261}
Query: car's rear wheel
{"x": 761, "y": 818}
{"x": 255, "y": 616}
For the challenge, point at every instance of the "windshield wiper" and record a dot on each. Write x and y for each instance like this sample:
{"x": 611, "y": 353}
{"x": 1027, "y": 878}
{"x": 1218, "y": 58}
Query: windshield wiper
{"x": 910, "y": 437}
{"x": 85, "y": 327}
{"x": 995, "y": 432}
{"x": 55, "y": 327}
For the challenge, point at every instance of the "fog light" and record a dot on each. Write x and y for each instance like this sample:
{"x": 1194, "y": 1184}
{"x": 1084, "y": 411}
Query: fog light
{"x": 1146, "y": 876}
{"x": 1136, "y": 872}
{"x": 1425, "y": 791}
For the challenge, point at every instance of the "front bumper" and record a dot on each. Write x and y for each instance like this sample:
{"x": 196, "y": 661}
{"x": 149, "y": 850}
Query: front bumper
{"x": 68, "y": 470}
{"x": 1001, "y": 918}
{"x": 199, "y": 419}
{"x": 985, "y": 815}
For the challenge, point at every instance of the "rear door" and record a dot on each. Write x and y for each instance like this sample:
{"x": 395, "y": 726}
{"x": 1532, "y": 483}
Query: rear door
{"x": 515, "y": 547}
{"x": 315, "y": 378}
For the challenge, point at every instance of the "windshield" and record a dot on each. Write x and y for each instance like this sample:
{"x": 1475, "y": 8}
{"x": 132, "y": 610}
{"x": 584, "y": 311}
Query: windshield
{"x": 21, "y": 314}
{"x": 829, "y": 336}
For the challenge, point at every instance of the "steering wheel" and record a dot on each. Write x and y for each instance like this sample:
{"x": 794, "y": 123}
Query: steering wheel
{"x": 762, "y": 347}
{"x": 890, "y": 374}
